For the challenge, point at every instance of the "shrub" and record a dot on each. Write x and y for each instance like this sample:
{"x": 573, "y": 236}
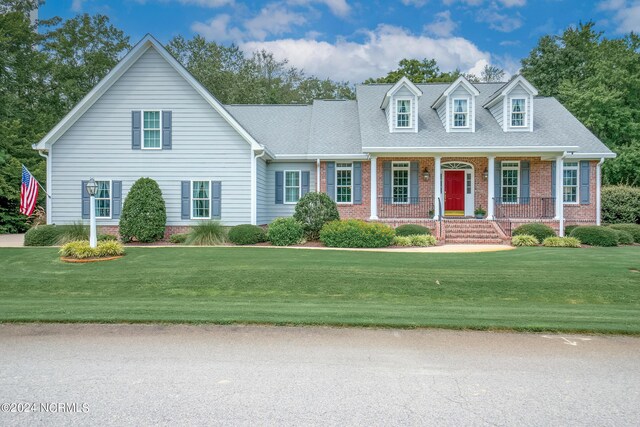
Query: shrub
{"x": 561, "y": 242}
{"x": 178, "y": 238}
{"x": 107, "y": 237}
{"x": 144, "y": 214}
{"x": 412, "y": 230}
{"x": 80, "y": 249}
{"x": 402, "y": 241}
{"x": 621, "y": 204}
{"x": 207, "y": 233}
{"x": 110, "y": 248}
{"x": 633, "y": 229}
{"x": 596, "y": 236}
{"x": 569, "y": 228}
{"x": 247, "y": 234}
{"x": 624, "y": 237}
{"x": 285, "y": 232}
{"x": 535, "y": 229}
{"x": 71, "y": 233}
{"x": 355, "y": 233}
{"x": 525, "y": 240}
{"x": 314, "y": 210}
{"x": 423, "y": 240}
{"x": 42, "y": 235}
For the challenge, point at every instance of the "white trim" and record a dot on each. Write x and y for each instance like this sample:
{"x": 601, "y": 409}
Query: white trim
{"x": 396, "y": 113}
{"x": 254, "y": 187}
{"x": 437, "y": 188}
{"x": 483, "y": 149}
{"x": 404, "y": 81}
{"x": 48, "y": 201}
{"x": 491, "y": 187}
{"x": 142, "y": 129}
{"x": 504, "y": 91}
{"x": 577, "y": 169}
{"x": 373, "y": 203}
{"x": 408, "y": 169}
{"x": 317, "y": 175}
{"x": 102, "y": 198}
{"x": 524, "y": 114}
{"x": 453, "y": 86}
{"x": 191, "y": 200}
{"x": 359, "y": 156}
{"x": 502, "y": 169}
{"x": 284, "y": 186}
{"x": 350, "y": 169}
{"x": 558, "y": 196}
{"x": 599, "y": 191}
{"x": 469, "y": 199}
{"x": 590, "y": 156}
{"x": 466, "y": 113}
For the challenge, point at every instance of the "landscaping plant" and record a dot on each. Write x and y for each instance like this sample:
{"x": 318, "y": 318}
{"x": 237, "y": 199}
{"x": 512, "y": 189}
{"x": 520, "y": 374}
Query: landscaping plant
{"x": 624, "y": 237}
{"x": 561, "y": 242}
{"x": 144, "y": 215}
{"x": 596, "y": 235}
{"x": 81, "y": 249}
{"x": 313, "y": 211}
{"x": 354, "y": 233}
{"x": 423, "y": 240}
{"x": 207, "y": 233}
{"x": 247, "y": 234}
{"x": 525, "y": 240}
{"x": 178, "y": 238}
{"x": 633, "y": 229}
{"x": 72, "y": 233}
{"x": 411, "y": 230}
{"x": 621, "y": 204}
{"x": 42, "y": 235}
{"x": 285, "y": 232}
{"x": 538, "y": 230}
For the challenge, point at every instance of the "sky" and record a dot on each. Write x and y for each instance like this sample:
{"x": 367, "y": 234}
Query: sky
{"x": 351, "y": 40}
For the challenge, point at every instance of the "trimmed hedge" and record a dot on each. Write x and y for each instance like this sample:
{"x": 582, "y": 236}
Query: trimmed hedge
{"x": 313, "y": 211}
{"x": 620, "y": 204}
{"x": 354, "y": 233}
{"x": 633, "y": 229}
{"x": 412, "y": 230}
{"x": 285, "y": 232}
{"x": 624, "y": 237}
{"x": 569, "y": 228}
{"x": 538, "y": 230}
{"x": 80, "y": 249}
{"x": 42, "y": 235}
{"x": 596, "y": 236}
{"x": 421, "y": 240}
{"x": 524, "y": 240}
{"x": 561, "y": 242}
{"x": 247, "y": 234}
{"x": 144, "y": 214}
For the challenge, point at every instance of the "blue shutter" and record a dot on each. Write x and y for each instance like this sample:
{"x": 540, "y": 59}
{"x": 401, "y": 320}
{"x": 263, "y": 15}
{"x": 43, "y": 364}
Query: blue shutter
{"x": 186, "y": 200}
{"x": 279, "y": 187}
{"x": 357, "y": 183}
{"x": 86, "y": 212}
{"x": 116, "y": 199}
{"x": 166, "y": 130}
{"x": 331, "y": 180}
{"x": 524, "y": 182}
{"x": 216, "y": 199}
{"x": 497, "y": 182}
{"x": 386, "y": 182}
{"x": 553, "y": 179}
{"x": 136, "y": 129}
{"x": 304, "y": 183}
{"x": 414, "y": 182}
{"x": 584, "y": 181}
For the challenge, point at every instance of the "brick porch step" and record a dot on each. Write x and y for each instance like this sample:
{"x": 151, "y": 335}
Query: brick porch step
{"x": 471, "y": 231}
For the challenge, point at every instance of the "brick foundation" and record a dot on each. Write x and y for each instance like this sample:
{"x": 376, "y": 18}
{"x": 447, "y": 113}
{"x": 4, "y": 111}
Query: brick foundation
{"x": 168, "y": 231}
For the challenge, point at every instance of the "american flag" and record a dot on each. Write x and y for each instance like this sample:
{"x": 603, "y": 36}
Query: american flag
{"x": 28, "y": 192}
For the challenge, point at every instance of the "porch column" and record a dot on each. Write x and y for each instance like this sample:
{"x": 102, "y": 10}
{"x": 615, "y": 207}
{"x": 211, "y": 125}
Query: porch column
{"x": 559, "y": 194}
{"x": 491, "y": 182}
{"x": 373, "y": 184}
{"x": 437, "y": 196}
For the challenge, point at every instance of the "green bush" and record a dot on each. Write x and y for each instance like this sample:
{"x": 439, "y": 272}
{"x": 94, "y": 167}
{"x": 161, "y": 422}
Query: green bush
{"x": 620, "y": 204}
{"x": 285, "y": 232}
{"x": 412, "y": 230}
{"x": 624, "y": 237}
{"x": 80, "y": 249}
{"x": 596, "y": 236}
{"x": 355, "y": 233}
{"x": 561, "y": 242}
{"x": 207, "y": 233}
{"x": 402, "y": 241}
{"x": 569, "y": 228}
{"x": 247, "y": 234}
{"x": 107, "y": 237}
{"x": 313, "y": 211}
{"x": 110, "y": 248}
{"x": 633, "y": 229}
{"x": 144, "y": 215}
{"x": 538, "y": 230}
{"x": 42, "y": 235}
{"x": 178, "y": 238}
{"x": 72, "y": 233}
{"x": 524, "y": 240}
{"x": 422, "y": 240}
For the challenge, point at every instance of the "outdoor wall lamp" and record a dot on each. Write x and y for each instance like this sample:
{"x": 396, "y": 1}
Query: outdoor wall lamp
{"x": 485, "y": 174}
{"x": 425, "y": 174}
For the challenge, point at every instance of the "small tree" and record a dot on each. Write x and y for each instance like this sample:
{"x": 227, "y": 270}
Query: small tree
{"x": 144, "y": 215}
{"x": 314, "y": 210}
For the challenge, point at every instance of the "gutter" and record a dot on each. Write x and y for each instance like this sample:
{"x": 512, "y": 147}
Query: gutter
{"x": 599, "y": 191}
{"x": 48, "y": 198}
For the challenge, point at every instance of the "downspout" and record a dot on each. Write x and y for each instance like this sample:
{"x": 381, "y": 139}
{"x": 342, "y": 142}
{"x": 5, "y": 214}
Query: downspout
{"x": 317, "y": 175}
{"x": 560, "y": 201}
{"x": 254, "y": 187}
{"x": 48, "y": 198}
{"x": 598, "y": 191}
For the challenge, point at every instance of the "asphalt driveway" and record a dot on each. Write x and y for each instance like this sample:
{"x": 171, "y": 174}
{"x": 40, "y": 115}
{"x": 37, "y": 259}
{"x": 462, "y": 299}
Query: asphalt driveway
{"x": 239, "y": 375}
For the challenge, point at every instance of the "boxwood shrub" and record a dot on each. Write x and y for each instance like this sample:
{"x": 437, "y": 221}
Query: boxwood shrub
{"x": 624, "y": 237}
{"x": 596, "y": 236}
{"x": 313, "y": 211}
{"x": 285, "y": 232}
{"x": 354, "y": 233}
{"x": 412, "y": 230}
{"x": 620, "y": 204}
{"x": 538, "y": 230}
{"x": 144, "y": 215}
{"x": 633, "y": 229}
{"x": 561, "y": 242}
{"x": 246, "y": 234}
{"x": 524, "y": 240}
{"x": 42, "y": 235}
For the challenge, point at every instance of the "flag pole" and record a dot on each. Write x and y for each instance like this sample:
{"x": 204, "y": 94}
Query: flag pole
{"x": 39, "y": 185}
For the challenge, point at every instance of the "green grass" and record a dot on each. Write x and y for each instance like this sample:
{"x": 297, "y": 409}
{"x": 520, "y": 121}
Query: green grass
{"x": 532, "y": 289}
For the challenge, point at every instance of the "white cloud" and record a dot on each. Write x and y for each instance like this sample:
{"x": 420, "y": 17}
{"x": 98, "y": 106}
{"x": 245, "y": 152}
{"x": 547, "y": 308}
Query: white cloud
{"x": 207, "y": 3}
{"x": 513, "y": 3}
{"x": 337, "y": 7}
{"x": 376, "y": 56}
{"x": 626, "y": 14}
{"x": 467, "y": 2}
{"x": 442, "y": 26}
{"x": 505, "y": 3}
{"x": 416, "y": 3}
{"x": 499, "y": 21}
{"x": 217, "y": 29}
{"x": 76, "y": 5}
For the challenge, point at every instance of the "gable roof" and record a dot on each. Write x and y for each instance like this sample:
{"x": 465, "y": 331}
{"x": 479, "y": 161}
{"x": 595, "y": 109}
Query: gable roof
{"x": 148, "y": 42}
{"x": 462, "y": 80}
{"x": 404, "y": 81}
{"x": 510, "y": 84}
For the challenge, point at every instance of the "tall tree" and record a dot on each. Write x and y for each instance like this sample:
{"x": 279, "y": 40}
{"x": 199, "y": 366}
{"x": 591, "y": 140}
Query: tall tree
{"x": 418, "y": 71}
{"x": 491, "y": 74}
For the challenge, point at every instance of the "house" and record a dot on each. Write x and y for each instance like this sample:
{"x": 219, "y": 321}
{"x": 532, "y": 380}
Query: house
{"x": 403, "y": 153}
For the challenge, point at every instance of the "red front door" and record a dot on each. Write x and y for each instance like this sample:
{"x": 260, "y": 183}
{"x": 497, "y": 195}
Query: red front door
{"x": 454, "y": 192}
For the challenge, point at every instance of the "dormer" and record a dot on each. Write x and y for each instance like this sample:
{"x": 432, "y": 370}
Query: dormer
{"x": 456, "y": 106}
{"x": 400, "y": 106}
{"x": 512, "y": 105}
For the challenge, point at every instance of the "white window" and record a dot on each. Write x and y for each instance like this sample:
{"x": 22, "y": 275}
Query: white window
{"x": 460, "y": 113}
{"x": 570, "y": 182}
{"x": 403, "y": 113}
{"x": 291, "y": 186}
{"x": 151, "y": 130}
{"x": 103, "y": 199}
{"x": 200, "y": 199}
{"x": 344, "y": 182}
{"x": 518, "y": 112}
{"x": 400, "y": 172}
{"x": 510, "y": 182}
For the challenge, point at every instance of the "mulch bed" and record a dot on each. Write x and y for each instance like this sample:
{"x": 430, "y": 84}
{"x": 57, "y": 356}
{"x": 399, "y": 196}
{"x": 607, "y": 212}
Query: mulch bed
{"x": 92, "y": 259}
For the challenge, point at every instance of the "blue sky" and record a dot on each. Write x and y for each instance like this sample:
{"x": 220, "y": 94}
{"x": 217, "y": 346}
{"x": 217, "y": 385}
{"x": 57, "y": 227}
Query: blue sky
{"x": 355, "y": 39}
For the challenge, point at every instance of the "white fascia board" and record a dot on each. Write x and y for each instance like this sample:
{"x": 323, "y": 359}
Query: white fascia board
{"x": 453, "y": 86}
{"x": 402, "y": 82}
{"x": 505, "y": 149}
{"x": 591, "y": 156}
{"x": 359, "y": 156}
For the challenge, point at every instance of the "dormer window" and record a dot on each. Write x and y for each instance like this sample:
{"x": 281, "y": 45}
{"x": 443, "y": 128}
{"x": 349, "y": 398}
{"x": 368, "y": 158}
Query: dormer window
{"x": 403, "y": 113}
{"x": 460, "y": 113}
{"x": 518, "y": 112}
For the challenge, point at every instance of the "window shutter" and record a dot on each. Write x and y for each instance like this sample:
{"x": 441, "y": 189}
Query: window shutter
{"x": 553, "y": 179}
{"x": 116, "y": 199}
{"x": 357, "y": 183}
{"x": 279, "y": 187}
{"x": 414, "y": 183}
{"x": 331, "y": 180}
{"x": 186, "y": 200}
{"x": 136, "y": 129}
{"x": 524, "y": 182}
{"x": 386, "y": 182}
{"x": 497, "y": 182}
{"x": 304, "y": 183}
{"x": 86, "y": 212}
{"x": 216, "y": 199}
{"x": 166, "y": 130}
{"x": 584, "y": 181}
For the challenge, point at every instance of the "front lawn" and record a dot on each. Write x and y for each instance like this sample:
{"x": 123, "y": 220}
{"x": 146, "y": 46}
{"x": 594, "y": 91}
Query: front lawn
{"x": 535, "y": 289}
